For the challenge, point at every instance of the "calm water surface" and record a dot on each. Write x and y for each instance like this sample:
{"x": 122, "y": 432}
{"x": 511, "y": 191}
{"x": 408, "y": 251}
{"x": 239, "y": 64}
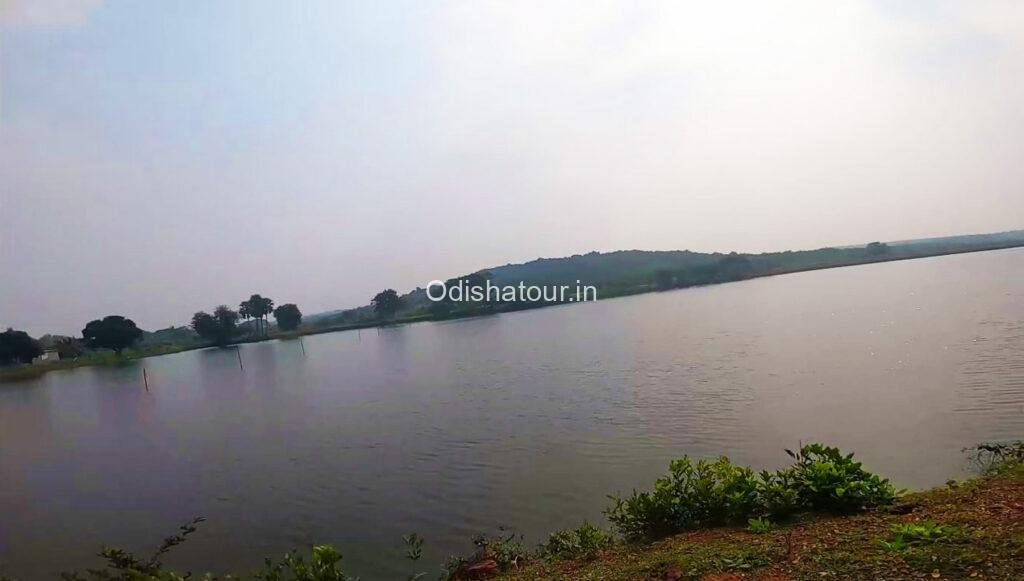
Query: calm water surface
{"x": 526, "y": 419}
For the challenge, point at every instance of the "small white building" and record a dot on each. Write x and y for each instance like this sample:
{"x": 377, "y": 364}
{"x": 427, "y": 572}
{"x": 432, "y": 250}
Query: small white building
{"x": 47, "y": 356}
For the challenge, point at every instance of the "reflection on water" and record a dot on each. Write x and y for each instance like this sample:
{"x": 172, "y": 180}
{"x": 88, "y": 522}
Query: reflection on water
{"x": 526, "y": 419}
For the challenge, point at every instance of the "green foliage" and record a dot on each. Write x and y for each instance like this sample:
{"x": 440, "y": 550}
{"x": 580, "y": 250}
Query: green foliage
{"x": 697, "y": 494}
{"x": 324, "y": 565}
{"x": 876, "y": 248}
{"x": 759, "y": 525}
{"x": 493, "y": 553}
{"x": 17, "y": 347}
{"x": 219, "y": 327}
{"x": 828, "y": 481}
{"x": 124, "y": 566}
{"x": 112, "y": 332}
{"x": 712, "y": 493}
{"x": 68, "y": 347}
{"x": 413, "y": 551}
{"x": 663, "y": 279}
{"x": 257, "y": 307}
{"x": 910, "y": 534}
{"x": 288, "y": 317}
{"x": 583, "y": 542}
{"x": 386, "y": 303}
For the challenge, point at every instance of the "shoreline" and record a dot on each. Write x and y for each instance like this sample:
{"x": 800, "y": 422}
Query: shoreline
{"x": 32, "y": 371}
{"x": 972, "y": 529}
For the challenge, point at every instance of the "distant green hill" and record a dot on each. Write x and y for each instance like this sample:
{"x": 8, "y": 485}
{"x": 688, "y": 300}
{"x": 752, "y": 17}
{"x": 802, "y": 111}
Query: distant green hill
{"x": 635, "y": 271}
{"x": 620, "y": 267}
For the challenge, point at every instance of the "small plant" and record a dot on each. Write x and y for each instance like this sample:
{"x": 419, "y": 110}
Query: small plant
{"x": 493, "y": 554}
{"x": 759, "y": 525}
{"x": 413, "y": 552}
{"x": 925, "y": 531}
{"x": 743, "y": 562}
{"x": 583, "y": 542}
{"x": 122, "y": 565}
{"x": 909, "y": 534}
{"x": 896, "y": 545}
{"x": 324, "y": 565}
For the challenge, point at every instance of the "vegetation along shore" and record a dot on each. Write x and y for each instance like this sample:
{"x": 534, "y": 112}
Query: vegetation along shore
{"x": 115, "y": 340}
{"x": 822, "y": 517}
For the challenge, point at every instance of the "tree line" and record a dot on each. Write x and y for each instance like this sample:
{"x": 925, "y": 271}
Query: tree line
{"x": 222, "y": 325}
{"x": 117, "y": 333}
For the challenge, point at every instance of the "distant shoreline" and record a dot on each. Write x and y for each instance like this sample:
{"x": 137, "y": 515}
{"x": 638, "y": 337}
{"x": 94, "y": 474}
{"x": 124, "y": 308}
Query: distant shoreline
{"x": 33, "y": 371}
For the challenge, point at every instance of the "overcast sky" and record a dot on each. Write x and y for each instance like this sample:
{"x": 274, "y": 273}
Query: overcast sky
{"x": 157, "y": 158}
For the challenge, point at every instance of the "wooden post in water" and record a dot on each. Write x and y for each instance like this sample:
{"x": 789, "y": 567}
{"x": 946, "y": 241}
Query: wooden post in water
{"x": 303, "y": 345}
{"x": 145, "y": 378}
{"x": 239, "y": 353}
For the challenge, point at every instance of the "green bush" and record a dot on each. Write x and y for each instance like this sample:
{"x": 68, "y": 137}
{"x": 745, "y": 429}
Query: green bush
{"x": 759, "y": 525}
{"x": 714, "y": 493}
{"x": 583, "y": 542}
{"x": 693, "y": 495}
{"x": 828, "y": 481}
{"x": 501, "y": 552}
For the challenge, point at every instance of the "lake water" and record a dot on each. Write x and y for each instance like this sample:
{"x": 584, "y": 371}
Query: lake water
{"x": 526, "y": 419}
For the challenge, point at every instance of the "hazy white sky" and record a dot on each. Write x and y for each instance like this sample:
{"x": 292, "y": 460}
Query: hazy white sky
{"x": 161, "y": 158}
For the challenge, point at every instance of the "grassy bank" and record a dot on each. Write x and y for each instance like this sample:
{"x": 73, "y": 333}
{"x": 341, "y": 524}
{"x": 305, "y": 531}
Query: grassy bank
{"x": 101, "y": 358}
{"x": 968, "y": 530}
{"x": 823, "y": 517}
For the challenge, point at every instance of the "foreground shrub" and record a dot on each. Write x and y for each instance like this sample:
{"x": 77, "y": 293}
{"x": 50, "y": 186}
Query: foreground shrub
{"x": 692, "y": 495}
{"x": 828, "y": 481}
{"x": 714, "y": 493}
{"x": 501, "y": 552}
{"x": 324, "y": 565}
{"x": 583, "y": 542}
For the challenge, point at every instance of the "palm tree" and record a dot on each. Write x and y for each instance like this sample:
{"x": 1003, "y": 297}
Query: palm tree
{"x": 243, "y": 310}
{"x": 266, "y": 307}
{"x": 258, "y": 308}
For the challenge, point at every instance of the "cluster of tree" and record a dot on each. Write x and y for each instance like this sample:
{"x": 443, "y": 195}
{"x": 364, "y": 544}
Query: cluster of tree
{"x": 733, "y": 266}
{"x": 288, "y": 317}
{"x": 66, "y": 347}
{"x": 257, "y": 308}
{"x": 386, "y": 303}
{"x": 222, "y": 326}
{"x": 18, "y": 347}
{"x": 111, "y": 332}
{"x": 118, "y": 333}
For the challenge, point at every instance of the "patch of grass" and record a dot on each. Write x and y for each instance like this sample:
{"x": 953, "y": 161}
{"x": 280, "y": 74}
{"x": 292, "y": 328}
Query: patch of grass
{"x": 973, "y": 530}
{"x": 759, "y": 525}
{"x": 583, "y": 542}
